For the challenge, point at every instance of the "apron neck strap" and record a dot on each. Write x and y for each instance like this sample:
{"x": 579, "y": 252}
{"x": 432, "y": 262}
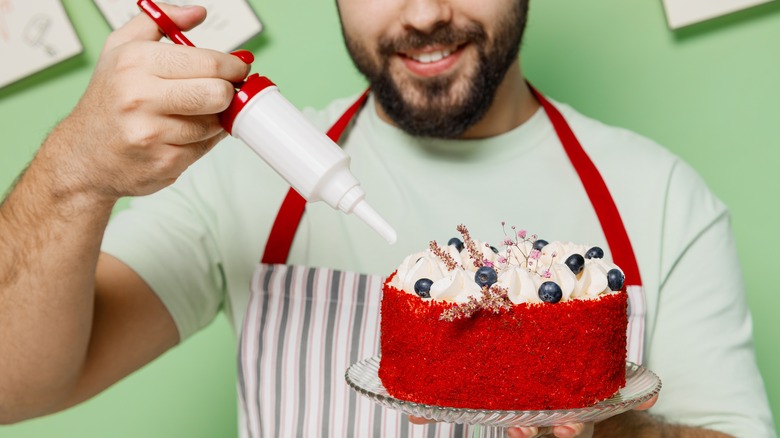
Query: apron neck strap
{"x": 606, "y": 210}
{"x": 277, "y": 248}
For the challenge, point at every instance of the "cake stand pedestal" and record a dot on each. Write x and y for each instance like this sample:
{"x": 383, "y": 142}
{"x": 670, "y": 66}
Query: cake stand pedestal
{"x": 641, "y": 385}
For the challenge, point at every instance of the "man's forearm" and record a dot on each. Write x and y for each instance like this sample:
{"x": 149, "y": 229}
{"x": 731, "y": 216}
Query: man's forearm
{"x": 640, "y": 424}
{"x": 49, "y": 243}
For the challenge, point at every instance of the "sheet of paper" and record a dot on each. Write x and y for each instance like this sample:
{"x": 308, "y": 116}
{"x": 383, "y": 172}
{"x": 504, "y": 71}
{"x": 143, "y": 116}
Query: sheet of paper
{"x": 681, "y": 13}
{"x": 228, "y": 25}
{"x": 34, "y": 35}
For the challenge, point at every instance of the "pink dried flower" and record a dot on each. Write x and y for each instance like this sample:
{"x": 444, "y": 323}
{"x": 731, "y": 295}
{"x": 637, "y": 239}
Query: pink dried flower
{"x": 547, "y": 274}
{"x": 522, "y": 233}
{"x": 502, "y": 259}
{"x": 535, "y": 254}
{"x": 508, "y": 241}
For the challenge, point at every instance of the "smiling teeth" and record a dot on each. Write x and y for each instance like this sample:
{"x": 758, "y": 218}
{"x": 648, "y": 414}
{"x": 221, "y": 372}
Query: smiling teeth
{"x": 427, "y": 58}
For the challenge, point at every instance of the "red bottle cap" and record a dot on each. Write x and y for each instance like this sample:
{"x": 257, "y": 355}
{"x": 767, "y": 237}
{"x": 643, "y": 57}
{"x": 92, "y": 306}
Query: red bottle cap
{"x": 253, "y": 85}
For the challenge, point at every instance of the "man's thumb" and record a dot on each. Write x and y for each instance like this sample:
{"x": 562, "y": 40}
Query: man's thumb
{"x": 143, "y": 28}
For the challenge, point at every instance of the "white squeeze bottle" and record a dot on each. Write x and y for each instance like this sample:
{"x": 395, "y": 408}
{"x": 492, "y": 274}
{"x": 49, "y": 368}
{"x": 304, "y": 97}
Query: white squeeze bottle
{"x": 315, "y": 166}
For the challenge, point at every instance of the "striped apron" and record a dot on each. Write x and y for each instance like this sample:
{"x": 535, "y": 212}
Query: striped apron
{"x": 305, "y": 326}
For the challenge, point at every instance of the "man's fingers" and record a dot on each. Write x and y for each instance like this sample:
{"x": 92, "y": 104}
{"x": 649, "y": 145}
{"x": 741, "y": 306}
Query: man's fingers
{"x": 189, "y": 97}
{"x": 191, "y": 129}
{"x": 574, "y": 430}
{"x": 184, "y": 97}
{"x": 419, "y": 420}
{"x": 173, "y": 130}
{"x": 648, "y": 404}
{"x": 529, "y": 432}
{"x": 141, "y": 27}
{"x": 176, "y": 62}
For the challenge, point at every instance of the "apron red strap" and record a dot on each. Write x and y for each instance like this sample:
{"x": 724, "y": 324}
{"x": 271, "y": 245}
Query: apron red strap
{"x": 600, "y": 198}
{"x": 277, "y": 248}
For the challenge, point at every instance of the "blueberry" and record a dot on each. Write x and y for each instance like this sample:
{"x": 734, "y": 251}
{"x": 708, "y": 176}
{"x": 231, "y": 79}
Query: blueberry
{"x": 615, "y": 279}
{"x": 550, "y": 292}
{"x": 485, "y": 276}
{"x": 539, "y": 244}
{"x": 575, "y": 262}
{"x": 595, "y": 253}
{"x": 423, "y": 287}
{"x": 457, "y": 242}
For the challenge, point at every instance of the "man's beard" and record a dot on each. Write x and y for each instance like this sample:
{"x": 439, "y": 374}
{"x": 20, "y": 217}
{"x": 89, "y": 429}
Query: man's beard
{"x": 442, "y": 107}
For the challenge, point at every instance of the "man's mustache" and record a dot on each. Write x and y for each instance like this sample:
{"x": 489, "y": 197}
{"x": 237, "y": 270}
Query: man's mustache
{"x": 445, "y": 35}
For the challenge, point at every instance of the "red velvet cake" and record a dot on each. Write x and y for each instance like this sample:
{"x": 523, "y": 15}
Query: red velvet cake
{"x": 460, "y": 327}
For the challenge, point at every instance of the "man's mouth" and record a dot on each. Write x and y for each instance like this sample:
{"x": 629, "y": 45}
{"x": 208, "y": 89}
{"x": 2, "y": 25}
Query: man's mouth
{"x": 431, "y": 61}
{"x": 427, "y": 58}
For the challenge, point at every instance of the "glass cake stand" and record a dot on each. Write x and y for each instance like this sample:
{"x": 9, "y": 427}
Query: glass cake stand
{"x": 641, "y": 385}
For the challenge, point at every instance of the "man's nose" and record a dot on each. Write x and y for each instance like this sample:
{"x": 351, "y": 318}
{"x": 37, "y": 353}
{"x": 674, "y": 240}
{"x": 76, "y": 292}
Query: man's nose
{"x": 425, "y": 15}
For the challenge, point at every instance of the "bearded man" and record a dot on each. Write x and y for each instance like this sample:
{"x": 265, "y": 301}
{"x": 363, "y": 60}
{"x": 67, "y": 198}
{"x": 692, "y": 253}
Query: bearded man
{"x": 450, "y": 132}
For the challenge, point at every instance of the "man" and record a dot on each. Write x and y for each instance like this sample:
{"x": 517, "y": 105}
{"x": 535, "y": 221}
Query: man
{"x": 451, "y": 133}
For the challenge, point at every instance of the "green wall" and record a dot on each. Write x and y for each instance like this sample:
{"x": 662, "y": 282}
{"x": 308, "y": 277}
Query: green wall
{"x": 710, "y": 93}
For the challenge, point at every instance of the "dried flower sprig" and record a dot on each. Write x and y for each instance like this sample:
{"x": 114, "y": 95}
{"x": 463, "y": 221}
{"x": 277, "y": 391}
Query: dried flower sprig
{"x": 486, "y": 262}
{"x": 463, "y": 310}
{"x": 474, "y": 252}
{"x": 494, "y": 299}
{"x": 519, "y": 239}
{"x": 444, "y": 256}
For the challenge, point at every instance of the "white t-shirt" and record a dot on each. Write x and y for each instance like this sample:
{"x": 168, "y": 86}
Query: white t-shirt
{"x": 197, "y": 242}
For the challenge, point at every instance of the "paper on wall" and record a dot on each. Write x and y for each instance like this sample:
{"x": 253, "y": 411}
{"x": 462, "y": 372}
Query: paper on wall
{"x": 228, "y": 25}
{"x": 34, "y": 35}
{"x": 681, "y": 13}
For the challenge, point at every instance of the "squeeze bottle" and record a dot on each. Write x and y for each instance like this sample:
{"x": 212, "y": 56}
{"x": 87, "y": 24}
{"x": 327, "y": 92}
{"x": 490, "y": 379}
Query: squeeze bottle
{"x": 307, "y": 159}
{"x": 271, "y": 126}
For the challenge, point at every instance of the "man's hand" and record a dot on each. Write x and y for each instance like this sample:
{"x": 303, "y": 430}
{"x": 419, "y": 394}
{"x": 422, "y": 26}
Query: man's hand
{"x": 578, "y": 430}
{"x": 149, "y": 112}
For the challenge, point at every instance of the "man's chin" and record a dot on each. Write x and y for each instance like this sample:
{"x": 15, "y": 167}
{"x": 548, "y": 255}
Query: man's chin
{"x": 429, "y": 108}
{"x": 431, "y": 123}
{"x": 437, "y": 104}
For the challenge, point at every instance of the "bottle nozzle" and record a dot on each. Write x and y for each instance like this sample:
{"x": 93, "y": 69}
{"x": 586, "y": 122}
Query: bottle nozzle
{"x": 375, "y": 221}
